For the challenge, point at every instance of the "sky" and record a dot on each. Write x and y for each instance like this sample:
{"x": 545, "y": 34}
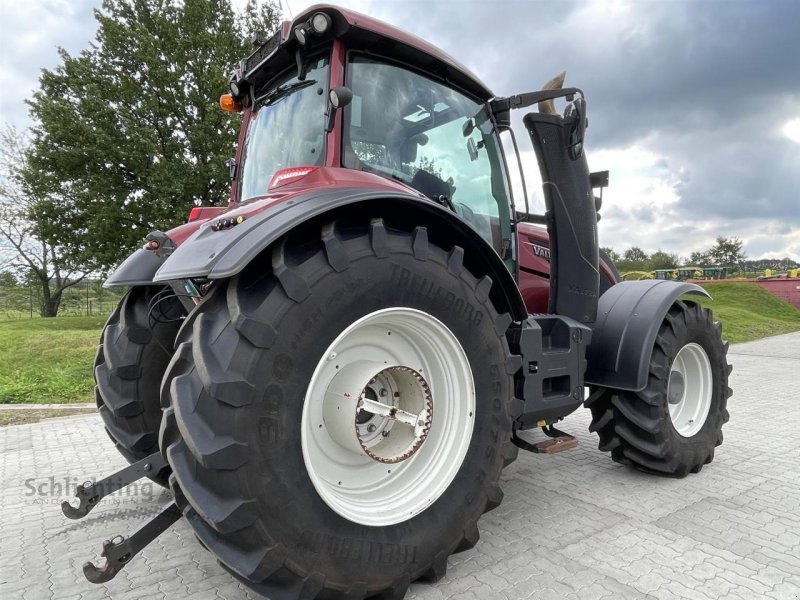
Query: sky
{"x": 694, "y": 106}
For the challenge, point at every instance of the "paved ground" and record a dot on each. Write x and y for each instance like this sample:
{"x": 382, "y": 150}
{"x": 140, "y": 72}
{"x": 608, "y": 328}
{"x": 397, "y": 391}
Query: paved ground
{"x": 573, "y": 525}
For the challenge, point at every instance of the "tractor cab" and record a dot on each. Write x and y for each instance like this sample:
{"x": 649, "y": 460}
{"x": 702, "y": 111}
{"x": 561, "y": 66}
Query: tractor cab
{"x": 337, "y": 90}
{"x": 410, "y": 114}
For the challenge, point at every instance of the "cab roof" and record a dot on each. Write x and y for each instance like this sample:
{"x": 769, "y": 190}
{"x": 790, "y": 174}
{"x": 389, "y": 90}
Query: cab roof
{"x": 366, "y": 33}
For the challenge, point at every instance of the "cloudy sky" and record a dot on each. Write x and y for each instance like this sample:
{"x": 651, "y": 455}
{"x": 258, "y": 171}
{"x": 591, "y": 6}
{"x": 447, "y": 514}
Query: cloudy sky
{"x": 694, "y": 106}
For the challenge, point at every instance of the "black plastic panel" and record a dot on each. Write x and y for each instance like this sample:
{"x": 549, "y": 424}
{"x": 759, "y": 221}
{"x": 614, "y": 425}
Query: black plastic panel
{"x": 571, "y": 219}
{"x": 629, "y": 317}
{"x": 138, "y": 269}
{"x": 553, "y": 350}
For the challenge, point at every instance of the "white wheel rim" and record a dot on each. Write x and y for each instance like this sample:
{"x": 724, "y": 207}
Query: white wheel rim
{"x": 690, "y": 389}
{"x": 359, "y": 475}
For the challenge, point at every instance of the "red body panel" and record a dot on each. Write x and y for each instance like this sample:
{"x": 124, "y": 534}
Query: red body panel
{"x": 533, "y": 246}
{"x": 534, "y": 267}
{"x": 238, "y": 156}
{"x": 333, "y": 142}
{"x": 319, "y": 178}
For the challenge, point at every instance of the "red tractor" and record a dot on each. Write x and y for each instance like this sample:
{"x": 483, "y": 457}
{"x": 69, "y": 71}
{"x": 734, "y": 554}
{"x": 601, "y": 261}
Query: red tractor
{"x": 331, "y": 372}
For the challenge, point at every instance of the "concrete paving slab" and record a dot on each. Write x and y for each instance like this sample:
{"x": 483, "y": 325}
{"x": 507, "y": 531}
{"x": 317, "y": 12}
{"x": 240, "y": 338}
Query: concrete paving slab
{"x": 574, "y": 525}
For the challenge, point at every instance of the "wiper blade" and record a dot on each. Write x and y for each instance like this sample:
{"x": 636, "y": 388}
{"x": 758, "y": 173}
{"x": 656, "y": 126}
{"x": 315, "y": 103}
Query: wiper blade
{"x": 282, "y": 91}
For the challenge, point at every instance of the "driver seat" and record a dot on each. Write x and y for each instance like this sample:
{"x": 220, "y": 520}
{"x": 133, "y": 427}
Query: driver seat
{"x": 429, "y": 184}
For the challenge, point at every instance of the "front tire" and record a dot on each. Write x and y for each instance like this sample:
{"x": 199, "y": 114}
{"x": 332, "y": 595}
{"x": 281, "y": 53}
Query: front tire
{"x": 673, "y": 426}
{"x": 298, "y": 502}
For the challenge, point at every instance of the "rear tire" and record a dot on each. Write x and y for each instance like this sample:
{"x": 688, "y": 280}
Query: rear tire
{"x": 135, "y": 349}
{"x": 240, "y": 381}
{"x": 673, "y": 426}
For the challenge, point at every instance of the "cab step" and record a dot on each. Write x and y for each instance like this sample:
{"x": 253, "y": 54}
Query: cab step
{"x": 558, "y": 442}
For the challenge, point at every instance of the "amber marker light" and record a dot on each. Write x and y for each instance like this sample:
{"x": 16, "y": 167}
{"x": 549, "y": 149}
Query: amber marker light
{"x": 229, "y": 104}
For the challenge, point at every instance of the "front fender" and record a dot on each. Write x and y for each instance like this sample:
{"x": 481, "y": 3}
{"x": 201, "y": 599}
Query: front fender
{"x": 219, "y": 254}
{"x": 630, "y": 314}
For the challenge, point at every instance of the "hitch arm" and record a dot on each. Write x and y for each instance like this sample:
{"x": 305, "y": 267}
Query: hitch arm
{"x": 89, "y": 494}
{"x": 120, "y": 550}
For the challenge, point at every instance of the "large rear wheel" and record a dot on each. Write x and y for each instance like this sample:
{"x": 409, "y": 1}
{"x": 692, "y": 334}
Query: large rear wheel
{"x": 339, "y": 421}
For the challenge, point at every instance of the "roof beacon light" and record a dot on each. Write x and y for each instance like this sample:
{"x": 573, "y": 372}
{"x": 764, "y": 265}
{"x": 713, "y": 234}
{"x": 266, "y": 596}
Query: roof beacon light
{"x": 229, "y": 104}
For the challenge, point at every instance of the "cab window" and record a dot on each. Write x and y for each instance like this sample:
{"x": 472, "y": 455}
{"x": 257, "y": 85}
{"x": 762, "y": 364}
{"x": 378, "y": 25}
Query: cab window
{"x": 439, "y": 141}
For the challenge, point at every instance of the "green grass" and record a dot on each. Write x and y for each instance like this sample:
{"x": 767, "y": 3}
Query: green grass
{"x": 749, "y": 312}
{"x": 48, "y": 361}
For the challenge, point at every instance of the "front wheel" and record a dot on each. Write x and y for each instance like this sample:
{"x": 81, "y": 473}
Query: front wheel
{"x": 673, "y": 426}
{"x": 339, "y": 421}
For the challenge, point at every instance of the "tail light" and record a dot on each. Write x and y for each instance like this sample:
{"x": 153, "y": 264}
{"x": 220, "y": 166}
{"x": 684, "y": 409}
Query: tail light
{"x": 290, "y": 175}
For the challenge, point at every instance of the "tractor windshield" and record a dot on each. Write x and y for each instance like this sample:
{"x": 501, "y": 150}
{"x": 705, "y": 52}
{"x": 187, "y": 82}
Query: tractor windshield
{"x": 441, "y": 142}
{"x": 286, "y": 129}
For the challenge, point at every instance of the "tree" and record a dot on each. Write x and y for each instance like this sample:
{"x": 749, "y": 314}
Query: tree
{"x": 663, "y": 260}
{"x": 611, "y": 253}
{"x": 7, "y": 279}
{"x": 633, "y": 259}
{"x": 727, "y": 252}
{"x": 634, "y": 254}
{"x": 128, "y": 133}
{"x": 29, "y": 249}
{"x": 699, "y": 259}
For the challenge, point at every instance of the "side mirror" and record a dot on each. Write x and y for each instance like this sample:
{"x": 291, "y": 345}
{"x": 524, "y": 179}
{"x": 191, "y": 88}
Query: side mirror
{"x": 468, "y": 127}
{"x": 576, "y": 111}
{"x": 338, "y": 97}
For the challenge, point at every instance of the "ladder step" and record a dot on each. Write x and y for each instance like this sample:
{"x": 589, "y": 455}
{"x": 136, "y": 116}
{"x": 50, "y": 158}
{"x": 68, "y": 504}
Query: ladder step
{"x": 555, "y": 445}
{"x": 558, "y": 442}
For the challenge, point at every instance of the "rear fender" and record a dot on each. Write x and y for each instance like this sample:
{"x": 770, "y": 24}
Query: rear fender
{"x": 629, "y": 316}
{"x": 138, "y": 269}
{"x": 219, "y": 254}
